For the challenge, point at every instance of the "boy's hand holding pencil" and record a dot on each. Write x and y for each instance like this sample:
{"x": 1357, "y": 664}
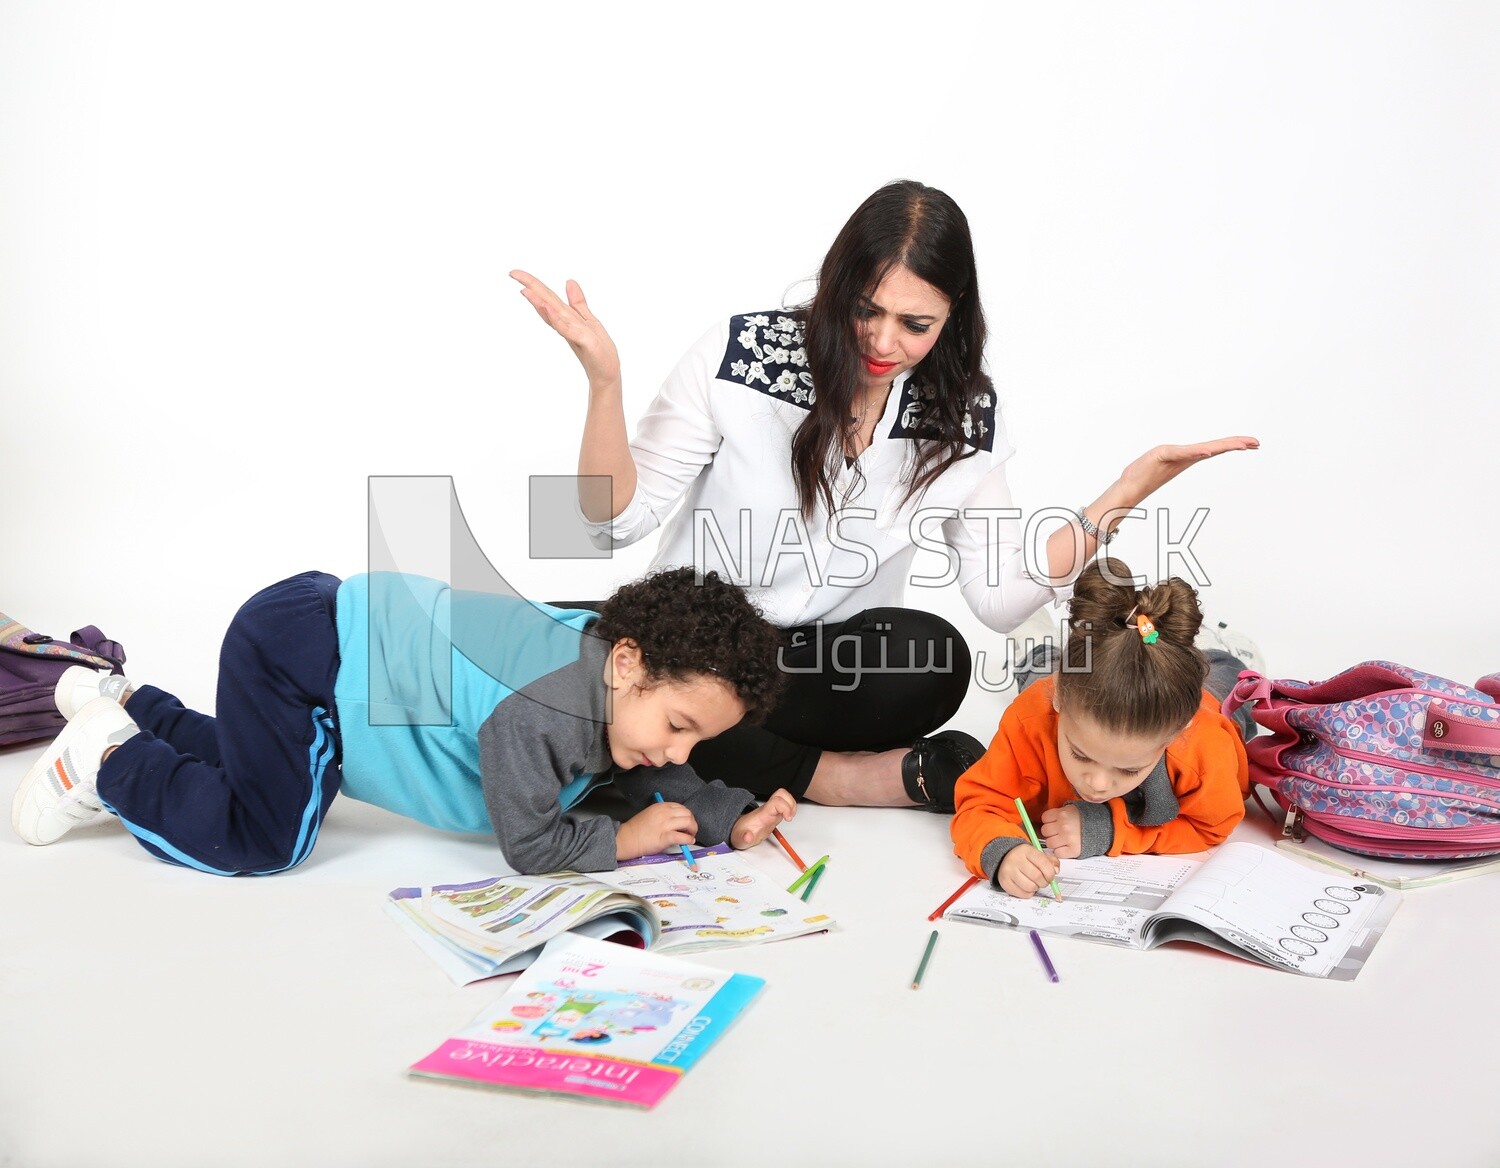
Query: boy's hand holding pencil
{"x": 661, "y": 827}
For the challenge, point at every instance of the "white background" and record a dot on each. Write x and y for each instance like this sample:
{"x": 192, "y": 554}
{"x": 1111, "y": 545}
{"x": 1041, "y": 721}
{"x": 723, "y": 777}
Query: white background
{"x": 251, "y": 254}
{"x": 254, "y": 254}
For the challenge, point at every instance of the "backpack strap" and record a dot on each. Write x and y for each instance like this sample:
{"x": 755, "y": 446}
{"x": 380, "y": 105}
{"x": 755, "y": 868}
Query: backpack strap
{"x": 95, "y": 642}
{"x": 1250, "y": 688}
{"x": 96, "y": 651}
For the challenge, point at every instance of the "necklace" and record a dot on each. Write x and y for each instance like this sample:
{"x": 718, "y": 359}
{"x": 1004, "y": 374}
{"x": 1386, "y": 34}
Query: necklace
{"x": 858, "y": 418}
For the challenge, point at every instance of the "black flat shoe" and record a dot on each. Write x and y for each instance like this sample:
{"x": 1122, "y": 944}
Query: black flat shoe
{"x": 931, "y": 768}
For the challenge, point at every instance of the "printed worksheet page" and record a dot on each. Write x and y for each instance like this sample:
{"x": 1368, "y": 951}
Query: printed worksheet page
{"x": 723, "y": 900}
{"x": 1104, "y": 898}
{"x": 1307, "y": 920}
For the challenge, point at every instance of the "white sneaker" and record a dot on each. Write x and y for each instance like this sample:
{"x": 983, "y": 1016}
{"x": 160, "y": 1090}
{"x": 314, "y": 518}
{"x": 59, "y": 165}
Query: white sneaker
{"x": 1215, "y": 634}
{"x": 80, "y": 685}
{"x": 58, "y": 792}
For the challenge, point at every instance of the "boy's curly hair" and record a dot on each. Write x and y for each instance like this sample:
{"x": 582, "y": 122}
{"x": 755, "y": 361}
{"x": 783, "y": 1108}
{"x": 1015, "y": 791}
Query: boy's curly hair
{"x": 686, "y": 624}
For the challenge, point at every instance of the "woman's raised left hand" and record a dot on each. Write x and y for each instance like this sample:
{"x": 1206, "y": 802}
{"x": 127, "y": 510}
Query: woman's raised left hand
{"x": 1161, "y": 464}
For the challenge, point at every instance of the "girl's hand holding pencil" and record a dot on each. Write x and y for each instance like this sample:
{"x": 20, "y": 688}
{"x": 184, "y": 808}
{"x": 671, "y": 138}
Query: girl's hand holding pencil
{"x": 1031, "y": 868}
{"x": 1025, "y": 871}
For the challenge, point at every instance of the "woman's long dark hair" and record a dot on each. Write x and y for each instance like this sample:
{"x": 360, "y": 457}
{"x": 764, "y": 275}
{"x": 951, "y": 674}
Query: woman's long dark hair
{"x": 903, "y": 224}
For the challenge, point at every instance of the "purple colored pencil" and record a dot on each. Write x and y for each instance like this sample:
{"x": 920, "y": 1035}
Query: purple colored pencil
{"x": 1036, "y": 939}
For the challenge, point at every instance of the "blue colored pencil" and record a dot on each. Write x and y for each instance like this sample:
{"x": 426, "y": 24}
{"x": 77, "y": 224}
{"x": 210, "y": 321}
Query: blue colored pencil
{"x": 686, "y": 855}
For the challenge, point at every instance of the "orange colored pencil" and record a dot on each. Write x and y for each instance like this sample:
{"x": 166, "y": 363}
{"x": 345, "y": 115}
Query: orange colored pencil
{"x": 787, "y": 848}
{"x": 962, "y": 888}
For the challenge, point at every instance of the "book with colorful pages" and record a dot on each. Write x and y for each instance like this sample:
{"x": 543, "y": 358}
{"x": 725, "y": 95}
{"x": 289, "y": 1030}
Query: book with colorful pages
{"x": 482, "y": 928}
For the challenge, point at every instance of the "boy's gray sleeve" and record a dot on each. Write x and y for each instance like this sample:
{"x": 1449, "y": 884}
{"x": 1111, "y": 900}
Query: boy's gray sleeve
{"x": 527, "y": 753}
{"x": 714, "y": 806}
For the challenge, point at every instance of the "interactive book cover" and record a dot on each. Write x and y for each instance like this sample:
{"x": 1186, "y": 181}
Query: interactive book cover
{"x": 595, "y": 1020}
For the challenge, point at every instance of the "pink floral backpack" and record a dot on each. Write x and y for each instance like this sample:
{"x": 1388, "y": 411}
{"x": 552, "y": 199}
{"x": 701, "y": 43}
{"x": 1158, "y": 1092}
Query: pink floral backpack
{"x": 1381, "y": 760}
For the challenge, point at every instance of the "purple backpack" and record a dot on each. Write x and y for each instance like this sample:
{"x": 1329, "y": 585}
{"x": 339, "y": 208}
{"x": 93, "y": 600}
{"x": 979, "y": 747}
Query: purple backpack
{"x": 31, "y": 663}
{"x": 1381, "y": 760}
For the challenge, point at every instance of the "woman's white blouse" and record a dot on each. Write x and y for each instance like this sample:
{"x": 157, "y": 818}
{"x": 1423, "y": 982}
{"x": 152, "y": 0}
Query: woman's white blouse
{"x": 718, "y": 440}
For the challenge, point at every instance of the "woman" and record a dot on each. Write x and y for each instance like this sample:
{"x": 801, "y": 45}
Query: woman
{"x": 817, "y": 449}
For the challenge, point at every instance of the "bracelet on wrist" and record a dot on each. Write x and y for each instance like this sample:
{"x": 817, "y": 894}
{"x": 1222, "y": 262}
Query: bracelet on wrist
{"x": 1091, "y": 528}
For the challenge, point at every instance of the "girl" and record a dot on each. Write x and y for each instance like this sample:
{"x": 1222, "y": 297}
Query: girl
{"x": 816, "y": 447}
{"x": 1121, "y": 751}
{"x": 470, "y": 712}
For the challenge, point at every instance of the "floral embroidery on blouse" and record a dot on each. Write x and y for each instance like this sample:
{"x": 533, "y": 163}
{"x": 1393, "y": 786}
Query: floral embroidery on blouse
{"x": 766, "y": 353}
{"x": 978, "y": 421}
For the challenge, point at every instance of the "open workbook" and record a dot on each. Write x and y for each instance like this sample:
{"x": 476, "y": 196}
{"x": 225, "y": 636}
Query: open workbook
{"x": 486, "y": 927}
{"x": 1243, "y": 899}
{"x": 596, "y": 1021}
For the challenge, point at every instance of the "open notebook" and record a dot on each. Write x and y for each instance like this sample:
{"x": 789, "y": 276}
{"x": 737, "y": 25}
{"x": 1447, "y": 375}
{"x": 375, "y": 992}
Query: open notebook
{"x": 1243, "y": 899}
{"x": 486, "y": 927}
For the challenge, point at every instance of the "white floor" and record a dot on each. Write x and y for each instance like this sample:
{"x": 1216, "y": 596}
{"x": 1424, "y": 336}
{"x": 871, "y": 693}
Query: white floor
{"x": 156, "y": 1016}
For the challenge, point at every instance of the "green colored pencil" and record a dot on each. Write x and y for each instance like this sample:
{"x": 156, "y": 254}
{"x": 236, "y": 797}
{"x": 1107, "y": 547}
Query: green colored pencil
{"x": 807, "y": 874}
{"x": 813, "y": 883}
{"x": 1036, "y": 843}
{"x": 916, "y": 982}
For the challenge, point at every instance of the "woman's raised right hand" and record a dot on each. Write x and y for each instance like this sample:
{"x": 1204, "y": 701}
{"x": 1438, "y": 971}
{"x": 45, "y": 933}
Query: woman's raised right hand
{"x": 575, "y": 324}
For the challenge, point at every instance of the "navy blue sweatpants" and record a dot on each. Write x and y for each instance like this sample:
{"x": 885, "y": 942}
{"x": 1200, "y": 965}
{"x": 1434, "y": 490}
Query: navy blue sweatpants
{"x": 242, "y": 793}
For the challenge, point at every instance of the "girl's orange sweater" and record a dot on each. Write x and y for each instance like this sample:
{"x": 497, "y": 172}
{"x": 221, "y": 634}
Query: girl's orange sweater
{"x": 1205, "y": 766}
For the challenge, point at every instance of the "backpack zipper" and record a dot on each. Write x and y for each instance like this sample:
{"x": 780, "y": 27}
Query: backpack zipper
{"x": 1439, "y": 843}
{"x": 1415, "y": 768}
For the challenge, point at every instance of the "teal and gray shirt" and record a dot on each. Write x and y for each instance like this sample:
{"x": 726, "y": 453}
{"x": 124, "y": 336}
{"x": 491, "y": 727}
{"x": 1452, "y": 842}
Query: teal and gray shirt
{"x": 477, "y": 712}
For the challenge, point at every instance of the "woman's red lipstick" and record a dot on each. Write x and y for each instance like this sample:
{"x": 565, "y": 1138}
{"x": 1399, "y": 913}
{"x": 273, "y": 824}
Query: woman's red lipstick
{"x": 879, "y": 367}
